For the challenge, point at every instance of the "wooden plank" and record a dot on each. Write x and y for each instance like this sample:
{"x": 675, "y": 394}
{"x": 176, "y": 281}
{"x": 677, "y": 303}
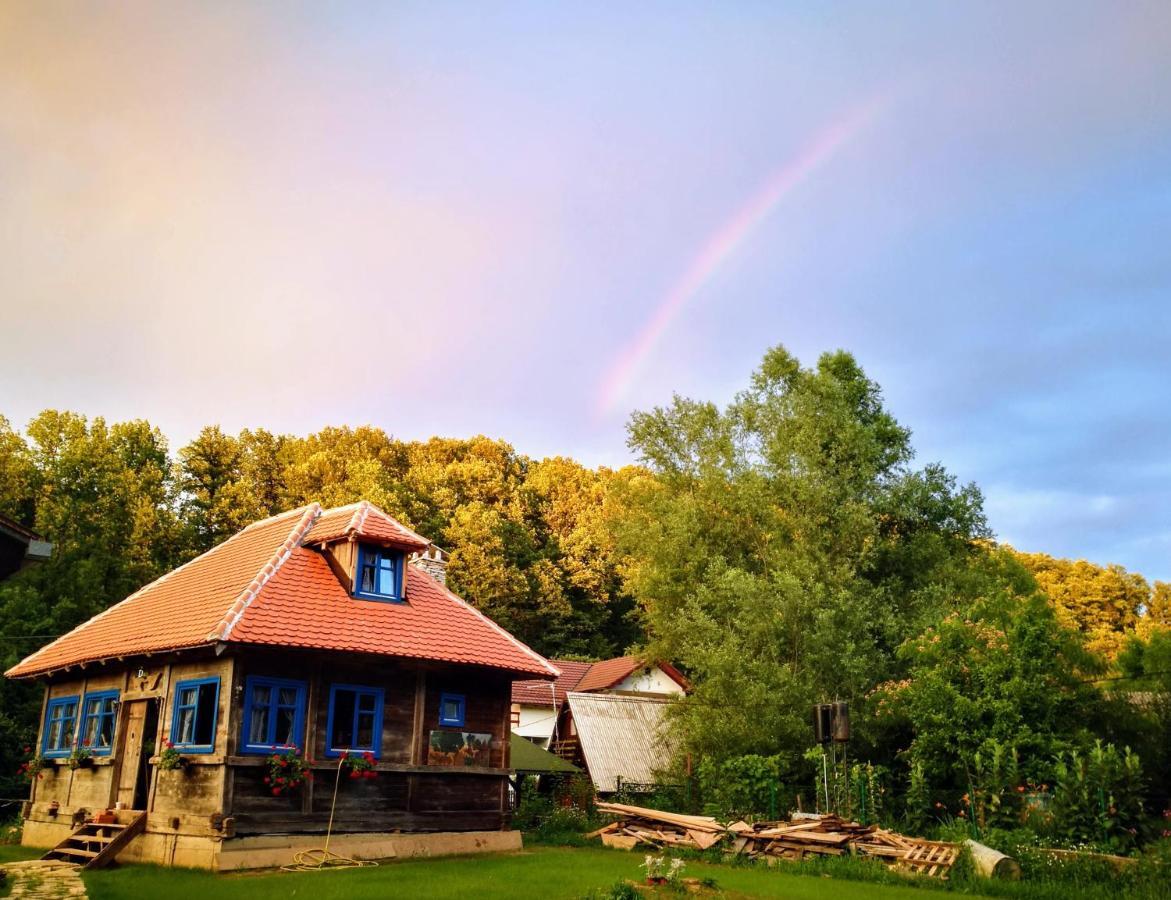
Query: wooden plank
{"x": 619, "y": 841}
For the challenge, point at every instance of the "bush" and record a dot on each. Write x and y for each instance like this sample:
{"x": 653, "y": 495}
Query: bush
{"x": 1097, "y": 797}
{"x": 747, "y": 787}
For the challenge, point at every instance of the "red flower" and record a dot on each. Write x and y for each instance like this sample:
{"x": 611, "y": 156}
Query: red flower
{"x": 353, "y": 775}
{"x": 276, "y": 791}
{"x": 267, "y": 780}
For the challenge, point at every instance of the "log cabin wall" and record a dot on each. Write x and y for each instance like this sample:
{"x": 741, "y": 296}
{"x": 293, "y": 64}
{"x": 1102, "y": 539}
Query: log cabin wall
{"x": 182, "y": 803}
{"x": 408, "y": 794}
{"x": 227, "y": 784}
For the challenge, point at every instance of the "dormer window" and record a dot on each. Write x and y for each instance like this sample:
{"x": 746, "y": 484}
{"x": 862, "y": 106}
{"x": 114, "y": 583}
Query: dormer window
{"x": 380, "y": 573}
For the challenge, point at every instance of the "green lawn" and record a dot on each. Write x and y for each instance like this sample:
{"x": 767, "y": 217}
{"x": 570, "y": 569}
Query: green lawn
{"x": 544, "y": 872}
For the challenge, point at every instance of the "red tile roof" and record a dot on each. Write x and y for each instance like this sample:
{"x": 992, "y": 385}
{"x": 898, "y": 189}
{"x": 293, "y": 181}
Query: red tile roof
{"x": 585, "y": 677}
{"x": 541, "y": 693}
{"x": 607, "y": 673}
{"x": 264, "y": 586}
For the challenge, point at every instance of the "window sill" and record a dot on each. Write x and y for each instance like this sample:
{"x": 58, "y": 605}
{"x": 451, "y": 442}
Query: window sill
{"x": 195, "y": 759}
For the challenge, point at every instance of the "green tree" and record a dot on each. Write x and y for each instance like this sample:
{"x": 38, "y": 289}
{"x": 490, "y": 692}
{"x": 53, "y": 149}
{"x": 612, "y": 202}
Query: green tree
{"x": 782, "y": 547}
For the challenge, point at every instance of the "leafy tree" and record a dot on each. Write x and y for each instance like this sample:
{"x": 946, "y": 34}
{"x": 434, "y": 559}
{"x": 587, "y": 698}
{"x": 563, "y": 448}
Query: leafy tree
{"x": 1001, "y": 672}
{"x": 1102, "y": 602}
{"x": 782, "y": 547}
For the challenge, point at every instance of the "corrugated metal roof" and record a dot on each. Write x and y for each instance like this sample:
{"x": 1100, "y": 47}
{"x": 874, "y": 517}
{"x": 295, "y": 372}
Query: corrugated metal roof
{"x": 622, "y": 736}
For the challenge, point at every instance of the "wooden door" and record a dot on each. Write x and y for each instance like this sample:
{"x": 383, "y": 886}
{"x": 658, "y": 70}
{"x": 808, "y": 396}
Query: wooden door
{"x": 130, "y": 755}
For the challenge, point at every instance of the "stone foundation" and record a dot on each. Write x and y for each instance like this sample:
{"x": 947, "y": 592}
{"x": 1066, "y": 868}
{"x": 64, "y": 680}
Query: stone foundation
{"x": 274, "y": 850}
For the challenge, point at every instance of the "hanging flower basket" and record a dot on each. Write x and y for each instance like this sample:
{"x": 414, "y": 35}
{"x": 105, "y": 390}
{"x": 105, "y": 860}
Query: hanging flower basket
{"x": 171, "y": 759}
{"x": 359, "y": 765}
{"x": 288, "y": 770}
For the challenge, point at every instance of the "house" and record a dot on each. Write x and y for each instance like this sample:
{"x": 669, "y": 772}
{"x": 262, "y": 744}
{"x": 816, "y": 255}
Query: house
{"x": 606, "y": 717}
{"x": 537, "y": 704}
{"x": 20, "y": 547}
{"x": 309, "y": 636}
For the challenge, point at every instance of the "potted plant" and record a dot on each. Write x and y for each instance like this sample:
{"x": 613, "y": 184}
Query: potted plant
{"x": 81, "y": 757}
{"x": 171, "y": 759}
{"x": 359, "y": 765}
{"x": 287, "y": 771}
{"x": 30, "y": 769}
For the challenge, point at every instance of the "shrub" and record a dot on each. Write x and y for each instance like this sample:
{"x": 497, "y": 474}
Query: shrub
{"x": 1097, "y": 797}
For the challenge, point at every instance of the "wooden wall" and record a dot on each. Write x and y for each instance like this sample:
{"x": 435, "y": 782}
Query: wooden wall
{"x": 227, "y": 785}
{"x": 407, "y": 794}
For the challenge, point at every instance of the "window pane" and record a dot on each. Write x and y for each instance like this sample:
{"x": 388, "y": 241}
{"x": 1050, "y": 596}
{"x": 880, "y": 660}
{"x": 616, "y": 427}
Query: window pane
{"x": 386, "y": 572}
{"x": 55, "y": 729}
{"x": 287, "y": 696}
{"x": 187, "y": 696}
{"x": 365, "y": 739}
{"x": 368, "y": 586}
{"x": 186, "y": 725}
{"x": 285, "y": 720}
{"x": 258, "y": 725}
{"x": 105, "y": 736}
{"x": 343, "y": 720}
{"x": 450, "y": 709}
{"x": 205, "y": 715}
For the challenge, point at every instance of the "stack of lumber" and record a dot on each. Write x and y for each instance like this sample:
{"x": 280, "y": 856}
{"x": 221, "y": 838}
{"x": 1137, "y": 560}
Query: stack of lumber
{"x": 637, "y": 825}
{"x": 793, "y": 840}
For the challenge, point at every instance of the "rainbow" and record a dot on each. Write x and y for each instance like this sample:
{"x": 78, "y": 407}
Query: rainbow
{"x": 723, "y": 243}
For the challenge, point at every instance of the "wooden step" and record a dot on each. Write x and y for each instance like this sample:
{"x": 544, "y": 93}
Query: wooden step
{"x": 110, "y": 837}
{"x": 74, "y": 851}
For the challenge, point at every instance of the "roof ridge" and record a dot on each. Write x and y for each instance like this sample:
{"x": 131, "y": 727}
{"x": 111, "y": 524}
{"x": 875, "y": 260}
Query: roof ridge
{"x": 162, "y": 578}
{"x": 619, "y": 698}
{"x": 358, "y": 519}
{"x": 240, "y": 604}
{"x": 519, "y": 644}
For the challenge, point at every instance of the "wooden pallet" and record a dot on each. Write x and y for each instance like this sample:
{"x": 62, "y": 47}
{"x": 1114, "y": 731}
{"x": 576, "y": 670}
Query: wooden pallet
{"x": 94, "y": 845}
{"x": 930, "y": 858}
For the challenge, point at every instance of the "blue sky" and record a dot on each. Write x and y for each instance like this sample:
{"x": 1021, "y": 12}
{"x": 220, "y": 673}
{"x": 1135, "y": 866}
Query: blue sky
{"x": 458, "y": 218}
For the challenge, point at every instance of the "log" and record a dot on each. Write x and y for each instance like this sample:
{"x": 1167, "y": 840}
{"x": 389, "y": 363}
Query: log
{"x": 992, "y": 863}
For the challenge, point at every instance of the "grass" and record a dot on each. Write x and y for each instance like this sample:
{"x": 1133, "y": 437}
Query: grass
{"x": 574, "y": 872}
{"x": 545, "y": 872}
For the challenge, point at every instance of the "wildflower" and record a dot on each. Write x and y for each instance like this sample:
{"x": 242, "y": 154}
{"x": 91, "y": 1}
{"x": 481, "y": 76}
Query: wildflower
{"x": 1020, "y": 788}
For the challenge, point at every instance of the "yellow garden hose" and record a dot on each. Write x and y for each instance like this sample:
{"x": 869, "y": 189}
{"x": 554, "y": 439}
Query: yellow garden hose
{"x": 317, "y": 859}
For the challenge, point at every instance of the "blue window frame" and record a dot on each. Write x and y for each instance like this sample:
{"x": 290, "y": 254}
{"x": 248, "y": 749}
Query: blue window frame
{"x": 193, "y": 722}
{"x": 355, "y": 719}
{"x": 274, "y": 714}
{"x": 60, "y": 727}
{"x": 99, "y": 711}
{"x": 451, "y": 709}
{"x": 380, "y": 573}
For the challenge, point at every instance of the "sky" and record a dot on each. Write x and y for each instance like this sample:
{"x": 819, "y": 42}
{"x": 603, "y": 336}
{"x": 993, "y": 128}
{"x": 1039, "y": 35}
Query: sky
{"x": 528, "y": 220}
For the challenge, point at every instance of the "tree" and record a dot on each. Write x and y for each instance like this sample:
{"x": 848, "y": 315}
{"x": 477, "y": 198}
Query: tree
{"x": 782, "y": 547}
{"x": 1101, "y": 602}
{"x": 1001, "y": 670}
